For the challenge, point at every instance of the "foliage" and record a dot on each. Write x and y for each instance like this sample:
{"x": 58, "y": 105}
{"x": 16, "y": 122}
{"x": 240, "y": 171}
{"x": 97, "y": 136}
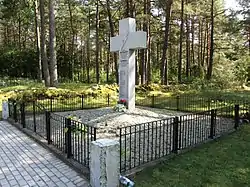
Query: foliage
{"x": 225, "y": 162}
{"x": 42, "y": 93}
{"x": 34, "y": 93}
{"x": 16, "y": 63}
{"x": 76, "y": 129}
{"x": 120, "y": 108}
{"x": 76, "y": 33}
{"x": 8, "y": 81}
{"x": 242, "y": 69}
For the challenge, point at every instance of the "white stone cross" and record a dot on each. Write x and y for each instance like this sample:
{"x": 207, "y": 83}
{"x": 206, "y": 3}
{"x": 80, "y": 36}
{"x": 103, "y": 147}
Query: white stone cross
{"x": 127, "y": 41}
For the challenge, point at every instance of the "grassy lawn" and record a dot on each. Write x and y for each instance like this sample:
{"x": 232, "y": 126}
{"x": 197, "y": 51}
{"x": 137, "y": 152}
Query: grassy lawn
{"x": 225, "y": 162}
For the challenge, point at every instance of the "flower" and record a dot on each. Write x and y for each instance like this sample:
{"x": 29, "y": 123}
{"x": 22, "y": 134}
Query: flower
{"x": 123, "y": 101}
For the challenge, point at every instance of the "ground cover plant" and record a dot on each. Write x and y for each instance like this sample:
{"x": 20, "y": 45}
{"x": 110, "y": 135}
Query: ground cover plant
{"x": 165, "y": 96}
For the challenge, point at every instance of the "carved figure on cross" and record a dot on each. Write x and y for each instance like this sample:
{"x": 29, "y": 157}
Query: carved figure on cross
{"x": 126, "y": 43}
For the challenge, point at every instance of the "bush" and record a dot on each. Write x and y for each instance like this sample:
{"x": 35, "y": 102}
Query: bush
{"x": 16, "y": 63}
{"x": 42, "y": 93}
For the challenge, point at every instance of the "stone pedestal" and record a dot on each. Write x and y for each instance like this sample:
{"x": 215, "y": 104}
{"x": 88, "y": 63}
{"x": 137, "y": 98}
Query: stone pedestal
{"x": 104, "y": 163}
{"x": 5, "y": 110}
{"x": 127, "y": 78}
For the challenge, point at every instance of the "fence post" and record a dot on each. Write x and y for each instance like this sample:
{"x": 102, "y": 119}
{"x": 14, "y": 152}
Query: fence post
{"x": 14, "y": 111}
{"x": 236, "y": 116}
{"x": 212, "y": 126}
{"x": 82, "y": 98}
{"x": 104, "y": 163}
{"x": 34, "y": 115}
{"x": 48, "y": 127}
{"x": 178, "y": 103}
{"x": 51, "y": 104}
{"x": 5, "y": 110}
{"x": 175, "y": 134}
{"x": 209, "y": 104}
{"x": 108, "y": 100}
{"x": 23, "y": 114}
{"x": 68, "y": 138}
{"x": 10, "y": 109}
{"x": 153, "y": 101}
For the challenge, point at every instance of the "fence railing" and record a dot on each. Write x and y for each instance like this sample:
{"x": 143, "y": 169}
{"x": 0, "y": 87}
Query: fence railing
{"x": 143, "y": 143}
{"x": 35, "y": 118}
{"x": 71, "y": 137}
{"x": 179, "y": 103}
{"x": 187, "y": 103}
{"x": 147, "y": 142}
{"x": 54, "y": 104}
{"x": 139, "y": 144}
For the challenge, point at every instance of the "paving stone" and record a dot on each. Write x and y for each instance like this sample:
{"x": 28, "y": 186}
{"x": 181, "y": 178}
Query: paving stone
{"x": 12, "y": 182}
{"x": 9, "y": 177}
{"x": 2, "y": 176}
{"x": 3, "y": 182}
{"x": 64, "y": 179}
{"x": 22, "y": 182}
{"x": 82, "y": 184}
{"x": 25, "y": 163}
{"x": 31, "y": 182}
{"x": 50, "y": 184}
{"x": 77, "y": 179}
{"x": 70, "y": 184}
{"x": 61, "y": 184}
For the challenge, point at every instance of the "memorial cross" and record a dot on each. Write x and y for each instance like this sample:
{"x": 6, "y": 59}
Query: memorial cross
{"x": 126, "y": 43}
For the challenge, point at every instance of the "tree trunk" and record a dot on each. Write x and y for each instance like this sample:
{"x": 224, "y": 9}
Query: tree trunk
{"x": 97, "y": 43}
{"x": 199, "y": 44}
{"x": 52, "y": 45}
{"x": 144, "y": 51}
{"x": 164, "y": 63}
{"x": 149, "y": 48}
{"x": 206, "y": 43}
{"x": 88, "y": 51}
{"x": 193, "y": 38}
{"x": 187, "y": 47}
{"x": 19, "y": 33}
{"x": 181, "y": 39}
{"x": 127, "y": 9}
{"x": 112, "y": 34}
{"x": 210, "y": 65}
{"x": 38, "y": 43}
{"x": 43, "y": 46}
{"x": 108, "y": 60}
{"x": 82, "y": 61}
{"x": 72, "y": 51}
{"x": 132, "y": 9}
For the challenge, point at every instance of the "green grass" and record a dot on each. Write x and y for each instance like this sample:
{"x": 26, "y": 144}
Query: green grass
{"x": 225, "y": 162}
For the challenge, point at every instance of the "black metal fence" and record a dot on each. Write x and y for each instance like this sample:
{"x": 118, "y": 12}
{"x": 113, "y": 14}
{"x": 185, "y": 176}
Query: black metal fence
{"x": 57, "y": 104}
{"x": 139, "y": 144}
{"x": 179, "y": 103}
{"x": 143, "y": 143}
{"x": 71, "y": 137}
{"x": 188, "y": 103}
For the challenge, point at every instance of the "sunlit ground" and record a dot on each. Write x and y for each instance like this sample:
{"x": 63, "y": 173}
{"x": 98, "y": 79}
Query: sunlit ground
{"x": 225, "y": 162}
